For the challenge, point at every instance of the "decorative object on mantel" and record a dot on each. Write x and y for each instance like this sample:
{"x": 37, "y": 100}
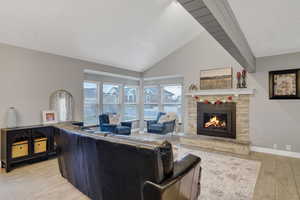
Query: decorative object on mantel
{"x": 244, "y": 75}
{"x": 193, "y": 87}
{"x": 241, "y": 79}
{"x": 238, "y": 77}
{"x": 216, "y": 79}
{"x": 49, "y": 117}
{"x": 217, "y": 101}
{"x": 206, "y": 101}
{"x": 229, "y": 98}
{"x": 11, "y": 117}
{"x": 284, "y": 84}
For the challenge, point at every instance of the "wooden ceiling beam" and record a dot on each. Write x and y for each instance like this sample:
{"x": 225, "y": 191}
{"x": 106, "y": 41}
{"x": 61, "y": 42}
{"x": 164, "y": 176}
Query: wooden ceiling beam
{"x": 217, "y": 17}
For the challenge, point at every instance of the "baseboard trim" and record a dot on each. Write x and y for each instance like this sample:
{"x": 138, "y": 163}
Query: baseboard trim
{"x": 275, "y": 152}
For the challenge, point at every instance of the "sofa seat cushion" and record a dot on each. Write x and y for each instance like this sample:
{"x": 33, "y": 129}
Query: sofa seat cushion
{"x": 157, "y": 127}
{"x": 122, "y": 129}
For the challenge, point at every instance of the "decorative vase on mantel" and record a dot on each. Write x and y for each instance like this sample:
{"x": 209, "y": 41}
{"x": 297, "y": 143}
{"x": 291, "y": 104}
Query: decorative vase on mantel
{"x": 238, "y": 77}
{"x": 244, "y": 75}
{"x": 11, "y": 118}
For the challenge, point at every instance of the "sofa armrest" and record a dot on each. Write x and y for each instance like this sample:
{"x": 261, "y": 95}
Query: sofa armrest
{"x": 169, "y": 126}
{"x": 183, "y": 166}
{"x": 128, "y": 124}
{"x": 149, "y": 122}
{"x": 183, "y": 184}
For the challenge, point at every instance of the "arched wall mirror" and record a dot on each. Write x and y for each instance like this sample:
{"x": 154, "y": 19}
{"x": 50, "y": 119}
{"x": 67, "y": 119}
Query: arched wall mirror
{"x": 62, "y": 102}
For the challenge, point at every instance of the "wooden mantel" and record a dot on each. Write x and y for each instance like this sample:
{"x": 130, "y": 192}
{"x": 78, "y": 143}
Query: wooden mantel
{"x": 235, "y": 92}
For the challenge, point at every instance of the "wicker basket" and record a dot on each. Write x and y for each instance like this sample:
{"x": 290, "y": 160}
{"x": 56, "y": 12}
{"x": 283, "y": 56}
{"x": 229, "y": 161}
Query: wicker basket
{"x": 40, "y": 145}
{"x": 19, "y": 149}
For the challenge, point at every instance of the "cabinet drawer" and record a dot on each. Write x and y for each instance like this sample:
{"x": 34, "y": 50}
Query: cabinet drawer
{"x": 40, "y": 145}
{"x": 19, "y": 149}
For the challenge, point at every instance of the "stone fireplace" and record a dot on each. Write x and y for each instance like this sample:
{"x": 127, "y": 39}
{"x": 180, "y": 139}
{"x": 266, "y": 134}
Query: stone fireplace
{"x": 217, "y": 120}
{"x": 221, "y": 127}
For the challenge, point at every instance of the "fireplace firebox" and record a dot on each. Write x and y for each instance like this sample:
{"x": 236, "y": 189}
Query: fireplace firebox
{"x": 217, "y": 120}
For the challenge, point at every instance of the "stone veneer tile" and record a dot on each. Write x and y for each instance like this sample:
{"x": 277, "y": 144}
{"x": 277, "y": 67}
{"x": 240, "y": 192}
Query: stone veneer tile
{"x": 242, "y": 131}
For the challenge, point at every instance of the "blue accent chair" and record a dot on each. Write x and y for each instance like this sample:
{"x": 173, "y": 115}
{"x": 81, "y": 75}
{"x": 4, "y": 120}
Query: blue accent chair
{"x": 123, "y": 129}
{"x": 160, "y": 128}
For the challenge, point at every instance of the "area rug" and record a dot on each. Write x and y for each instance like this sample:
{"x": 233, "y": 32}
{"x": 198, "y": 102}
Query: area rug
{"x": 224, "y": 177}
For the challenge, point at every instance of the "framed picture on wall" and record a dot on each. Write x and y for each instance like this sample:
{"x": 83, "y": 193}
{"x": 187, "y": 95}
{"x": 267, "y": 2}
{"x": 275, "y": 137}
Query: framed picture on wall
{"x": 219, "y": 78}
{"x": 284, "y": 84}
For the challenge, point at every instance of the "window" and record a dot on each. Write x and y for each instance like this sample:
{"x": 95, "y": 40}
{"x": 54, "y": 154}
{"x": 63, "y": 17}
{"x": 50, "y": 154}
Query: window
{"x": 130, "y": 103}
{"x": 151, "y": 95}
{"x": 91, "y": 103}
{"x": 111, "y": 98}
{"x": 151, "y": 101}
{"x": 150, "y": 111}
{"x": 168, "y": 100}
{"x": 172, "y": 99}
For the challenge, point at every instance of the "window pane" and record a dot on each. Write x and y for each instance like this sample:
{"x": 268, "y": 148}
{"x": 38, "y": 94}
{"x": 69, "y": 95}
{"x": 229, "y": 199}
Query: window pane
{"x": 151, "y": 95}
{"x": 150, "y": 111}
{"x": 111, "y": 108}
{"x": 130, "y": 112}
{"x": 172, "y": 94}
{"x": 90, "y": 103}
{"x": 130, "y": 94}
{"x": 174, "y": 108}
{"x": 90, "y": 92}
{"x": 90, "y": 114}
{"x": 111, "y": 94}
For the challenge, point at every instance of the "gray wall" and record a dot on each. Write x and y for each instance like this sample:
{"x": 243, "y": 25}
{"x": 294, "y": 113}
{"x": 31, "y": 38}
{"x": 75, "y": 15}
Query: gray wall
{"x": 271, "y": 121}
{"x": 27, "y": 78}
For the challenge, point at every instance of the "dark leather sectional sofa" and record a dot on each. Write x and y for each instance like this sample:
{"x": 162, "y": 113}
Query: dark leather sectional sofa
{"x": 113, "y": 168}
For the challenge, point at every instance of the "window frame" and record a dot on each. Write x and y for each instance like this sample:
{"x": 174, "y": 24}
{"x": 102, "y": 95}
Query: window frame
{"x": 158, "y": 104}
{"x": 137, "y": 95}
{"x": 152, "y": 86}
{"x": 120, "y": 92}
{"x": 163, "y": 104}
{"x": 120, "y": 98}
{"x": 137, "y": 104}
{"x": 98, "y": 102}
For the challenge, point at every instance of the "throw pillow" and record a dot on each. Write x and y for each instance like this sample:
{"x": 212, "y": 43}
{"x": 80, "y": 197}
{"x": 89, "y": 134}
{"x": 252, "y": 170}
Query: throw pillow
{"x": 171, "y": 116}
{"x": 114, "y": 119}
{"x": 163, "y": 119}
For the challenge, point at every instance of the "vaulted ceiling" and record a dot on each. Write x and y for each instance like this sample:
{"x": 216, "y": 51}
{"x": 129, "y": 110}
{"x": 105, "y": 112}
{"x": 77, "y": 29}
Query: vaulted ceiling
{"x": 136, "y": 34}
{"x": 270, "y": 26}
{"x": 130, "y": 34}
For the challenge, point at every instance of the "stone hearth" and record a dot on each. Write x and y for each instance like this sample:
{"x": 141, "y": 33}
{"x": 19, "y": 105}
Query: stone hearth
{"x": 240, "y": 145}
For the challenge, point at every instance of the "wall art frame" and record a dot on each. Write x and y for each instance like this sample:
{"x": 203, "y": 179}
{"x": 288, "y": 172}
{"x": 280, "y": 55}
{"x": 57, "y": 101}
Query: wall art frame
{"x": 284, "y": 84}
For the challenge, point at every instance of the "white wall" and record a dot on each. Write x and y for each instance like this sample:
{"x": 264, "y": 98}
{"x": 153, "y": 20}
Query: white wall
{"x": 271, "y": 121}
{"x": 27, "y": 78}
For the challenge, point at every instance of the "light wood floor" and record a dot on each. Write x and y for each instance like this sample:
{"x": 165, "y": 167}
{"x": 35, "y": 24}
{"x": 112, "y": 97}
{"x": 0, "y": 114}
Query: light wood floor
{"x": 279, "y": 179}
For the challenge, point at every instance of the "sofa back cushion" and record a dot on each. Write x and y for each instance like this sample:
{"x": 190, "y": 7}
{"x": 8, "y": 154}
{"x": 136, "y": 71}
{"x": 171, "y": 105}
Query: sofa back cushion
{"x": 159, "y": 115}
{"x": 106, "y": 168}
{"x": 103, "y": 119}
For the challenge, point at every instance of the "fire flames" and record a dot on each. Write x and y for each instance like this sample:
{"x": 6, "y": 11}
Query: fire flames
{"x": 215, "y": 122}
